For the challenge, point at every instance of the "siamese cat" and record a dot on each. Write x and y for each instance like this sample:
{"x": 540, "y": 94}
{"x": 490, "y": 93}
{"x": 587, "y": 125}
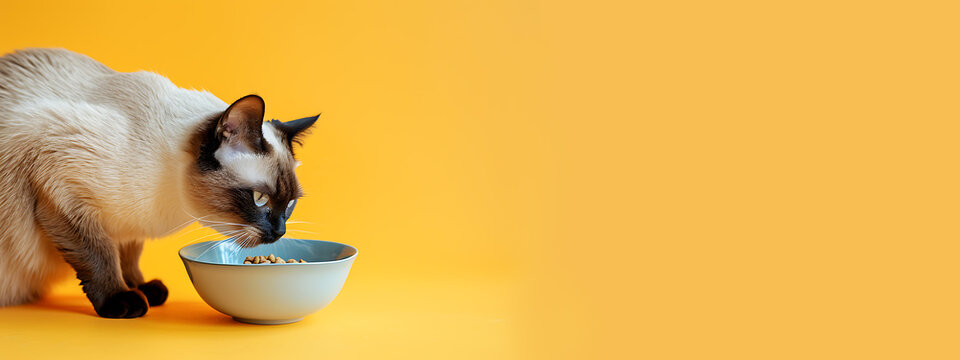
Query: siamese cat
{"x": 94, "y": 161}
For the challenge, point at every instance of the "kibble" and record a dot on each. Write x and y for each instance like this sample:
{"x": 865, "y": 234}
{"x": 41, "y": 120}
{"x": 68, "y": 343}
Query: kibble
{"x": 271, "y": 259}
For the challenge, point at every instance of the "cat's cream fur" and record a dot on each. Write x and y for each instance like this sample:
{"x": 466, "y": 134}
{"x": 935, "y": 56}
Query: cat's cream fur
{"x": 102, "y": 144}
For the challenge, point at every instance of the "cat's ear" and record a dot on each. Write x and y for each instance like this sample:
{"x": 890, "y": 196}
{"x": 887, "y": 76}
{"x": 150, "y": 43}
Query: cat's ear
{"x": 242, "y": 123}
{"x": 296, "y": 129}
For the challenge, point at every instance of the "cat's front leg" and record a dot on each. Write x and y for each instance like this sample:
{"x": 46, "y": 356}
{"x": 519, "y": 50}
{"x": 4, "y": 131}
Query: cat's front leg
{"x": 85, "y": 246}
{"x": 154, "y": 290}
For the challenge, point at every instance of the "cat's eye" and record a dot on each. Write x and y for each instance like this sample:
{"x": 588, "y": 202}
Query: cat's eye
{"x": 292, "y": 204}
{"x": 260, "y": 198}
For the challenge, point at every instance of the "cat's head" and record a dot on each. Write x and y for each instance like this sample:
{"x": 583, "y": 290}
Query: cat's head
{"x": 242, "y": 182}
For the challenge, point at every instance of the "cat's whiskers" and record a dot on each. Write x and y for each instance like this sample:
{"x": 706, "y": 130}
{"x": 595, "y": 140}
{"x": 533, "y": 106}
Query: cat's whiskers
{"x": 216, "y": 225}
{"x": 227, "y": 236}
{"x": 228, "y": 246}
{"x": 225, "y": 228}
{"x": 300, "y": 222}
{"x": 213, "y": 246}
{"x": 188, "y": 222}
{"x": 195, "y": 230}
{"x": 240, "y": 241}
{"x": 303, "y": 231}
{"x": 195, "y": 219}
{"x": 210, "y": 225}
{"x": 219, "y": 222}
{"x": 244, "y": 238}
{"x": 224, "y": 232}
{"x": 209, "y": 221}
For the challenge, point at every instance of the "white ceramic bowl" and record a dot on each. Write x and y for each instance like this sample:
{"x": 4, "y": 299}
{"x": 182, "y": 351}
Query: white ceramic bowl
{"x": 271, "y": 293}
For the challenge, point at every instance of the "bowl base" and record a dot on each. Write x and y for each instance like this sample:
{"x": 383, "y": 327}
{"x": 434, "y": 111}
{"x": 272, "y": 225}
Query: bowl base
{"x": 267, "y": 322}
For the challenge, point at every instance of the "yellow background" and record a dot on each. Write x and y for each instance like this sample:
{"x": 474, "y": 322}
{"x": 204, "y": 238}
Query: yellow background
{"x": 660, "y": 180}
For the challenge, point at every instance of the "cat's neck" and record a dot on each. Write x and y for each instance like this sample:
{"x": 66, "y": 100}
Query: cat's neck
{"x": 178, "y": 212}
{"x": 166, "y": 191}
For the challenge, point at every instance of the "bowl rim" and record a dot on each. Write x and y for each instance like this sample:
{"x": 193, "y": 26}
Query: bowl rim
{"x": 348, "y": 258}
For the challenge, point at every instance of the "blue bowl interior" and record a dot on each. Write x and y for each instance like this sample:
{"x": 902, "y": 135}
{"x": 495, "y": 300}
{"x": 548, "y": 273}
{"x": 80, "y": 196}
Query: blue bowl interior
{"x": 227, "y": 252}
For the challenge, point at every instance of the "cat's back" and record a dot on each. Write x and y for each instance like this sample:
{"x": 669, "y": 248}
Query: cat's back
{"x": 41, "y": 88}
{"x": 44, "y": 92}
{"x": 47, "y": 73}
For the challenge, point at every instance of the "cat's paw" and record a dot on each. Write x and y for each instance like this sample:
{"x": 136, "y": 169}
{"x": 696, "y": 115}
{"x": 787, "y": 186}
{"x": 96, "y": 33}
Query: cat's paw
{"x": 155, "y": 292}
{"x": 124, "y": 304}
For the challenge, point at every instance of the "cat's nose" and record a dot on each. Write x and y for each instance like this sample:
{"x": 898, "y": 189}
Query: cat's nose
{"x": 278, "y": 231}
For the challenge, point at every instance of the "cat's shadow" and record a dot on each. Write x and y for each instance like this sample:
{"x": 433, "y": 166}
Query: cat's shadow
{"x": 72, "y": 304}
{"x": 181, "y": 312}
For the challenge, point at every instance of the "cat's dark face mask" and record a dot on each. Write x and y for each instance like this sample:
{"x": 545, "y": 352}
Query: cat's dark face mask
{"x": 244, "y": 181}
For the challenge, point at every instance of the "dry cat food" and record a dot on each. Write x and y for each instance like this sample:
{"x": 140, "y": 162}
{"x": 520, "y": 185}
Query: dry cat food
{"x": 260, "y": 259}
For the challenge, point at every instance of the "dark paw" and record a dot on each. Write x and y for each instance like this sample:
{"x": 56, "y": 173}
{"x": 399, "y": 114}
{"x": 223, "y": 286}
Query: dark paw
{"x": 155, "y": 291}
{"x": 125, "y": 304}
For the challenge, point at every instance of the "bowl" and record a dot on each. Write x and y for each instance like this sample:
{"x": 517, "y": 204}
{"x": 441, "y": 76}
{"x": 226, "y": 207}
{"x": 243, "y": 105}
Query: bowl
{"x": 268, "y": 294}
